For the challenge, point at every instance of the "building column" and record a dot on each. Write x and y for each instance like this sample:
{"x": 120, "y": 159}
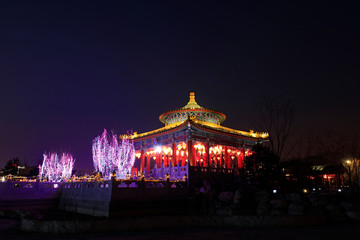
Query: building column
{"x": 227, "y": 158}
{"x": 174, "y": 154}
{"x": 207, "y": 152}
{"x": 242, "y": 156}
{"x": 191, "y": 158}
{"x": 158, "y": 160}
{"x": 148, "y": 163}
{"x": 142, "y": 164}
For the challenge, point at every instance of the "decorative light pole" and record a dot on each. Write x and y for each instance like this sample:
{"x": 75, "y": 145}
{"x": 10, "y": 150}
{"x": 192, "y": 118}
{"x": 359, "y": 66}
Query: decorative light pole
{"x": 348, "y": 168}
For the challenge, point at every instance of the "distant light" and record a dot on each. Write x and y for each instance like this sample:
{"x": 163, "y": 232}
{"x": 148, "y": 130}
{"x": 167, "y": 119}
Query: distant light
{"x": 274, "y": 191}
{"x": 319, "y": 188}
{"x": 3, "y": 179}
{"x": 56, "y": 185}
{"x": 157, "y": 149}
{"x": 305, "y": 190}
{"x": 339, "y": 190}
{"x": 314, "y": 189}
{"x": 56, "y": 168}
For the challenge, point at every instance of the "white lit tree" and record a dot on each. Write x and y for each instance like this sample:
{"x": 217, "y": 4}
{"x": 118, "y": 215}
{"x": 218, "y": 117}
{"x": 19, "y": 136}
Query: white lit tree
{"x": 55, "y": 168}
{"x": 110, "y": 155}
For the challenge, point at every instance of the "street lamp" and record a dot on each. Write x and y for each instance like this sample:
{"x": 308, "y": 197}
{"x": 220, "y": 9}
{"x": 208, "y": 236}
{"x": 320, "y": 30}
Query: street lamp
{"x": 348, "y": 163}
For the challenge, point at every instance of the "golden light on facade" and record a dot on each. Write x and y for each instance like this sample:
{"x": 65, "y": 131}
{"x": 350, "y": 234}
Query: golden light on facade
{"x": 216, "y": 150}
{"x": 167, "y": 150}
{"x": 200, "y": 148}
{"x": 182, "y": 145}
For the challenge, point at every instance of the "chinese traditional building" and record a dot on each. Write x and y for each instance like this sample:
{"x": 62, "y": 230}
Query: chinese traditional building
{"x": 194, "y": 136}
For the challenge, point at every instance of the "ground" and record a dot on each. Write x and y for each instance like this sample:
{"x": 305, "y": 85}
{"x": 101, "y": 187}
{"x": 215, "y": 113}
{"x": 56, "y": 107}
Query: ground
{"x": 348, "y": 231}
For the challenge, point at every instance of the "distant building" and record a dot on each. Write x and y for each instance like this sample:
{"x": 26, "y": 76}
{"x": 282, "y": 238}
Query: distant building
{"x": 193, "y": 135}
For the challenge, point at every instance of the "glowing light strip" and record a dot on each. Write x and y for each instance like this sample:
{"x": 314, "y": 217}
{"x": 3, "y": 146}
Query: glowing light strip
{"x": 251, "y": 133}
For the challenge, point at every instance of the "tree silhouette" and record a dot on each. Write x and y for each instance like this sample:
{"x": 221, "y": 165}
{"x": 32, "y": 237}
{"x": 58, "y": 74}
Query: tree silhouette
{"x": 263, "y": 165}
{"x": 277, "y": 117}
{"x": 11, "y": 166}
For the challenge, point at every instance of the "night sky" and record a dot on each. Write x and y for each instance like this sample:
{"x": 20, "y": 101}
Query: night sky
{"x": 69, "y": 70}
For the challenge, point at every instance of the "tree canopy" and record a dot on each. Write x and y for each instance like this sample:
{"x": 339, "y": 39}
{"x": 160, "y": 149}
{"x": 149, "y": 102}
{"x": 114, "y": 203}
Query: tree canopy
{"x": 263, "y": 165}
{"x": 11, "y": 166}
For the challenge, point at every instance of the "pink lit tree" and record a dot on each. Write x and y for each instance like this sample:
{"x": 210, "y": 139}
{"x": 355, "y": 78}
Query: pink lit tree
{"x": 125, "y": 158}
{"x": 55, "y": 168}
{"x": 110, "y": 156}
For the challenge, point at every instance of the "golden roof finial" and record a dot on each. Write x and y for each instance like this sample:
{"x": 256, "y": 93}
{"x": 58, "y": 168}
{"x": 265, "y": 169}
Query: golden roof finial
{"x": 192, "y": 97}
{"x": 192, "y": 104}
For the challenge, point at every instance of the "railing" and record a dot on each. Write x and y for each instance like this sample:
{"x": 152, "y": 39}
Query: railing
{"x": 212, "y": 170}
{"x": 149, "y": 184}
{"x": 18, "y": 190}
{"x": 174, "y": 173}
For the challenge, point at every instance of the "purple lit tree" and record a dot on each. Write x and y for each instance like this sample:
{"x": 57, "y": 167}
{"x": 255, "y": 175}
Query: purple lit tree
{"x": 56, "y": 169}
{"x": 103, "y": 154}
{"x": 110, "y": 156}
{"x": 125, "y": 158}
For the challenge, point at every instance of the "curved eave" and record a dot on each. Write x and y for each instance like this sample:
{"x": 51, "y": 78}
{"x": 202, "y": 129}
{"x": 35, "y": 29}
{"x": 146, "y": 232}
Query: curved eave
{"x": 229, "y": 131}
{"x": 168, "y": 129}
{"x": 222, "y": 116}
{"x": 205, "y": 126}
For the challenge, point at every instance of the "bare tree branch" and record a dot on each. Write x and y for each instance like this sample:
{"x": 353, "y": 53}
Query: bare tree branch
{"x": 277, "y": 117}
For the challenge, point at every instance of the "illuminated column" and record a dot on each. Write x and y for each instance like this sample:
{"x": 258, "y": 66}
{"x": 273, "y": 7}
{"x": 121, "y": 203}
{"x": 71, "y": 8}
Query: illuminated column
{"x": 207, "y": 152}
{"x": 238, "y": 156}
{"x": 158, "y": 160}
{"x": 227, "y": 157}
{"x": 242, "y": 156}
{"x": 195, "y": 156}
{"x": 174, "y": 154}
{"x": 191, "y": 158}
{"x": 147, "y": 163}
{"x": 142, "y": 165}
{"x": 221, "y": 159}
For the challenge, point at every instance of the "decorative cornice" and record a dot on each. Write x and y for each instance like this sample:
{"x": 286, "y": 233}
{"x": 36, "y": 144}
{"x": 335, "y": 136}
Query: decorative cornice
{"x": 206, "y": 126}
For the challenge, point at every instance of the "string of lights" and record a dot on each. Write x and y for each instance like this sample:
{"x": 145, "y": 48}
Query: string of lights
{"x": 111, "y": 156}
{"x": 55, "y": 168}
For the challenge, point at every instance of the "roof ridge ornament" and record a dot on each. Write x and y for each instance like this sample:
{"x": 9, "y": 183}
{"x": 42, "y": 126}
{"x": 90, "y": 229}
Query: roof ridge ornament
{"x": 192, "y": 109}
{"x": 192, "y": 98}
{"x": 192, "y": 104}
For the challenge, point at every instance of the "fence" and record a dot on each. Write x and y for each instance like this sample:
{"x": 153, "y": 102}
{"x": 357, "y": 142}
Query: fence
{"x": 113, "y": 197}
{"x": 174, "y": 173}
{"x": 29, "y": 195}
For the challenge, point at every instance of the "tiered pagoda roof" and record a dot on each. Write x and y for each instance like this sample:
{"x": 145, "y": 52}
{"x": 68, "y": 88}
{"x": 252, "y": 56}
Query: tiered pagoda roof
{"x": 206, "y": 119}
{"x": 192, "y": 109}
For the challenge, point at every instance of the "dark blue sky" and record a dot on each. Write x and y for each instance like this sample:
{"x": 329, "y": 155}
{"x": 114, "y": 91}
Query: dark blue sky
{"x": 68, "y": 70}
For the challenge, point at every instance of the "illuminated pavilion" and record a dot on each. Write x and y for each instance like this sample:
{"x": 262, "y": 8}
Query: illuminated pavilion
{"x": 193, "y": 135}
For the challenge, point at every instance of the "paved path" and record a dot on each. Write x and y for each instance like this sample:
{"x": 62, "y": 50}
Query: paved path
{"x": 8, "y": 224}
{"x": 334, "y": 231}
